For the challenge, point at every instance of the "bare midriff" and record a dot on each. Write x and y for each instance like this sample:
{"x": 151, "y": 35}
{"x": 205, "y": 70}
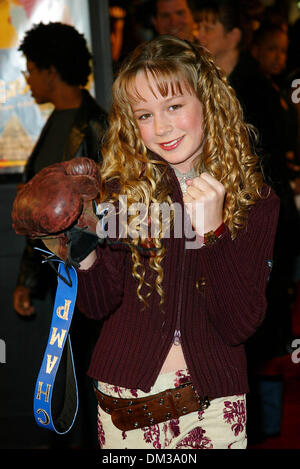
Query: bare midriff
{"x": 175, "y": 360}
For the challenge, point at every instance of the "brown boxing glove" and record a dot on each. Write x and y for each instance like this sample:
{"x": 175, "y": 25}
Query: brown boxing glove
{"x": 57, "y": 206}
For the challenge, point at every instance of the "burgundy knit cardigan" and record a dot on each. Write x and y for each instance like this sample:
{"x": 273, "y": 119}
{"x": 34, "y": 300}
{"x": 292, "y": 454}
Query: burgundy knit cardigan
{"x": 215, "y": 295}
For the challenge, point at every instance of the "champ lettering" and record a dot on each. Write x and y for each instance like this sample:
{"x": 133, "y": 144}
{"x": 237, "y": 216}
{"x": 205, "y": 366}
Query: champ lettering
{"x": 56, "y": 336}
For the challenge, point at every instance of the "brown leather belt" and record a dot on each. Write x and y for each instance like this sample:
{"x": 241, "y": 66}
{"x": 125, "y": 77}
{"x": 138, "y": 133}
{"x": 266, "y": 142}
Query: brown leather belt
{"x": 130, "y": 414}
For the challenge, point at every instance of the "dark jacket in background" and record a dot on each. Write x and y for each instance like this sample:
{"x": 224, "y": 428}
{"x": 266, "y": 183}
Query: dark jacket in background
{"x": 277, "y": 132}
{"x": 84, "y": 139}
{"x": 277, "y": 127}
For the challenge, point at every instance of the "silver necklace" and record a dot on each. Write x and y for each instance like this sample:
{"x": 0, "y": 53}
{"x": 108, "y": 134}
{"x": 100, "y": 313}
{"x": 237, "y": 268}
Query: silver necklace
{"x": 182, "y": 177}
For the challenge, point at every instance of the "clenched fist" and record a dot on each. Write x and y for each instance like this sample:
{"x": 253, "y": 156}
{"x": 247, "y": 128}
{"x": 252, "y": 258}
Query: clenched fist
{"x": 204, "y": 201}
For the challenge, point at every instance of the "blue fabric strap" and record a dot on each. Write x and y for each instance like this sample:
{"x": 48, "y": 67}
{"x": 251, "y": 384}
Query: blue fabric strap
{"x": 59, "y": 340}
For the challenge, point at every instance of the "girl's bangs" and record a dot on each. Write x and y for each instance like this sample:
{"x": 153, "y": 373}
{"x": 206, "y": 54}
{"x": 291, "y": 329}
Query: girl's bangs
{"x": 167, "y": 83}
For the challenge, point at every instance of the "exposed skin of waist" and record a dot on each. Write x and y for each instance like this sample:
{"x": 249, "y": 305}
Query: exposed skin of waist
{"x": 175, "y": 360}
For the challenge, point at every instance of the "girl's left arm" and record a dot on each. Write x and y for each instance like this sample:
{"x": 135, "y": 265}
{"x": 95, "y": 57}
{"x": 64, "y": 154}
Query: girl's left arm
{"x": 237, "y": 271}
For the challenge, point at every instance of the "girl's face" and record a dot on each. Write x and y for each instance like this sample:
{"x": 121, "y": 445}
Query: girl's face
{"x": 170, "y": 126}
{"x": 271, "y": 54}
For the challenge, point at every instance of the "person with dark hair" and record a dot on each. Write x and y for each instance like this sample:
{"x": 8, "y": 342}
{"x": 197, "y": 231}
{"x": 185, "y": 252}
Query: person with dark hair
{"x": 251, "y": 71}
{"x": 259, "y": 83}
{"x": 252, "y": 74}
{"x": 225, "y": 28}
{"x": 59, "y": 46}
{"x": 268, "y": 106}
{"x": 173, "y": 17}
{"x": 58, "y": 68}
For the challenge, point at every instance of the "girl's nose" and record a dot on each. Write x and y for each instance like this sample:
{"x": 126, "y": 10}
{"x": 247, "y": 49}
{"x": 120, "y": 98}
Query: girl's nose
{"x": 162, "y": 125}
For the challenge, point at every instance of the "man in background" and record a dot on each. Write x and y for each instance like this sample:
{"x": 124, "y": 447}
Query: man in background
{"x": 58, "y": 68}
{"x": 173, "y": 17}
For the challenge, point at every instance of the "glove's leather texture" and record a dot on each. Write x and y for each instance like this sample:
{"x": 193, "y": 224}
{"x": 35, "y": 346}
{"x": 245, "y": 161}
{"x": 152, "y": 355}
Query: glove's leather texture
{"x": 56, "y": 206}
{"x": 53, "y": 200}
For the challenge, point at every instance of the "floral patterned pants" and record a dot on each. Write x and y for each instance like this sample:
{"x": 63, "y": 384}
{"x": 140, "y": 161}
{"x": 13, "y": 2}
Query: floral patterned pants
{"x": 220, "y": 426}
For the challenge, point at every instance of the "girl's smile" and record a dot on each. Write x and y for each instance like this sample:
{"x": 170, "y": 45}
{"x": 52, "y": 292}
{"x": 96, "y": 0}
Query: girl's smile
{"x": 171, "y": 145}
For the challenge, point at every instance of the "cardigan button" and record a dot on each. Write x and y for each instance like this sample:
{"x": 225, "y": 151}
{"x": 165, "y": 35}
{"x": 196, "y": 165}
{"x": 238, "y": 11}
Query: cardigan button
{"x": 201, "y": 284}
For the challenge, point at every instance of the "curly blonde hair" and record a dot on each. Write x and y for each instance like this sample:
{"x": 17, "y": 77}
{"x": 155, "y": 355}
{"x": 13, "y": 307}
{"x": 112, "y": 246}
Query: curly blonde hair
{"x": 225, "y": 152}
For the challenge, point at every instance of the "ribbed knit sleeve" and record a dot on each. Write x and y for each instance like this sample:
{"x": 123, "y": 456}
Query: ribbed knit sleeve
{"x": 236, "y": 273}
{"x": 100, "y": 288}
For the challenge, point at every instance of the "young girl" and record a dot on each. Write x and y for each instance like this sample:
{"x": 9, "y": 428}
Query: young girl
{"x": 169, "y": 366}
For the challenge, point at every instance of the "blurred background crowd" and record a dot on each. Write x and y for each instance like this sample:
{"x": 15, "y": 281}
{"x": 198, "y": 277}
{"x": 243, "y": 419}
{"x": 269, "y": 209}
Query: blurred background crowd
{"x": 257, "y": 44}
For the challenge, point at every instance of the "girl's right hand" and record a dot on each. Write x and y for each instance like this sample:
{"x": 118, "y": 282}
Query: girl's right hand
{"x": 204, "y": 201}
